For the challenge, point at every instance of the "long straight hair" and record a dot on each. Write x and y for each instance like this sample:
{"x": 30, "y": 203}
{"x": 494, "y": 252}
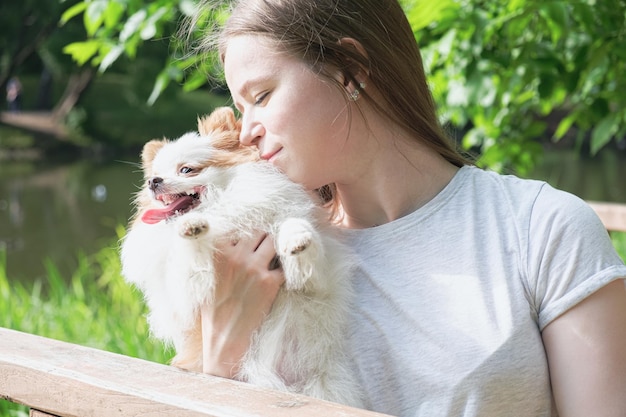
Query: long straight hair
{"x": 311, "y": 30}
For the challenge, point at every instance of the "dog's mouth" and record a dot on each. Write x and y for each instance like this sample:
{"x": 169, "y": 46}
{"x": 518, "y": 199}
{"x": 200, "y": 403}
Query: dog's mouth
{"x": 175, "y": 204}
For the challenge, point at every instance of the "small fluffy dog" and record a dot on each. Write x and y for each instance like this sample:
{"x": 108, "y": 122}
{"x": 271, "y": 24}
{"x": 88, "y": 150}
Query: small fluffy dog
{"x": 206, "y": 187}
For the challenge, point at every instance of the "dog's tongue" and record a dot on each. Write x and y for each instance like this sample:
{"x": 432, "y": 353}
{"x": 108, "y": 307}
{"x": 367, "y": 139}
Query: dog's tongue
{"x": 153, "y": 216}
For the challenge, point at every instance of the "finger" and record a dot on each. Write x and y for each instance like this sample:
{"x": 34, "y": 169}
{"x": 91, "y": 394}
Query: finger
{"x": 265, "y": 247}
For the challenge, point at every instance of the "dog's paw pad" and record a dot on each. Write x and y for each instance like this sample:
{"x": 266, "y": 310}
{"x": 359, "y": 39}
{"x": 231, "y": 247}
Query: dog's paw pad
{"x": 301, "y": 245}
{"x": 192, "y": 229}
{"x": 295, "y": 240}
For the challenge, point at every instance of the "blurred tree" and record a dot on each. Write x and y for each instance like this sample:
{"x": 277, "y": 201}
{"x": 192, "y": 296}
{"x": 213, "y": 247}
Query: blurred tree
{"x": 118, "y": 28}
{"x": 501, "y": 70}
{"x": 30, "y": 33}
{"x": 24, "y": 27}
{"x": 508, "y": 72}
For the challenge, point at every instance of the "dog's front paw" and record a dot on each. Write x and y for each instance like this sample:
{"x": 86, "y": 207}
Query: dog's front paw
{"x": 295, "y": 237}
{"x": 192, "y": 227}
{"x": 298, "y": 247}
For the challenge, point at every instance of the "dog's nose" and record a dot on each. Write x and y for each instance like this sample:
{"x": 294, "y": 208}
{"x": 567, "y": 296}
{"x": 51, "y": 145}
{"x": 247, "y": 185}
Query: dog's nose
{"x": 154, "y": 182}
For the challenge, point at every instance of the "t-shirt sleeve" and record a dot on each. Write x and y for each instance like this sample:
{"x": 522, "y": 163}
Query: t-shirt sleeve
{"x": 570, "y": 254}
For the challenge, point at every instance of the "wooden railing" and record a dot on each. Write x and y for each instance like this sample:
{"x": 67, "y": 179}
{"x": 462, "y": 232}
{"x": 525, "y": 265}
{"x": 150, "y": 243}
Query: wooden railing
{"x": 62, "y": 379}
{"x": 55, "y": 378}
{"x": 613, "y": 215}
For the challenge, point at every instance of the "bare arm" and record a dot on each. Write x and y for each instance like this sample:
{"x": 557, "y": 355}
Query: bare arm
{"x": 245, "y": 291}
{"x": 586, "y": 350}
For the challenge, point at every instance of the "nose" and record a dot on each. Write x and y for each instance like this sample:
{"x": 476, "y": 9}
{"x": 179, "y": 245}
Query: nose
{"x": 154, "y": 182}
{"x": 251, "y": 130}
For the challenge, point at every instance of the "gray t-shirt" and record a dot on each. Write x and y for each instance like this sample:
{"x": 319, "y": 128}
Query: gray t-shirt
{"x": 451, "y": 299}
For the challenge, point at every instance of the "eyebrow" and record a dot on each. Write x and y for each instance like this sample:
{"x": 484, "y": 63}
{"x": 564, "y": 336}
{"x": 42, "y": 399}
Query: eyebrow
{"x": 245, "y": 87}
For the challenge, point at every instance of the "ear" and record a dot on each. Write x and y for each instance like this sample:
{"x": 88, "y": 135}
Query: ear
{"x": 357, "y": 71}
{"x": 149, "y": 151}
{"x": 222, "y": 128}
{"x": 222, "y": 119}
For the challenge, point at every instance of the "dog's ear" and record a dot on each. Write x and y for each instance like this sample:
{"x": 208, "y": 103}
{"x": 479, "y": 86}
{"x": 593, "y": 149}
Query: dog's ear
{"x": 223, "y": 128}
{"x": 149, "y": 151}
{"x": 222, "y": 119}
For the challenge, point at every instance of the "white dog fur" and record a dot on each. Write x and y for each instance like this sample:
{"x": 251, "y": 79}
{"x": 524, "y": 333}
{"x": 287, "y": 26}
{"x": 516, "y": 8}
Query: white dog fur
{"x": 300, "y": 346}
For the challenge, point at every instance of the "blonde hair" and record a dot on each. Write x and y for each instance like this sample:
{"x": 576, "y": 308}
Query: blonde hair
{"x": 311, "y": 30}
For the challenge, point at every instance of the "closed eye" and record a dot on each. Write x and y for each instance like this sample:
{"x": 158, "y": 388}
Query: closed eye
{"x": 260, "y": 99}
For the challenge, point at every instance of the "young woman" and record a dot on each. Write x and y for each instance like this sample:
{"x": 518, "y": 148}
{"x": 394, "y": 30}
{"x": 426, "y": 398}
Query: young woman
{"x": 478, "y": 294}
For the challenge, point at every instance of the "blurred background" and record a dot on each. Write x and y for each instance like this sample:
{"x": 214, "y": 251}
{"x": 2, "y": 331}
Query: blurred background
{"x": 531, "y": 87}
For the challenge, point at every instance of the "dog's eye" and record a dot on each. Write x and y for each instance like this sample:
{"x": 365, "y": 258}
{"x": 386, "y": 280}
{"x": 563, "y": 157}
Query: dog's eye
{"x": 186, "y": 170}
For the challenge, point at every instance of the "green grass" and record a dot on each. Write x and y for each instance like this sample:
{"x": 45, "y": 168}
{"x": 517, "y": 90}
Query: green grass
{"x": 94, "y": 307}
{"x": 619, "y": 241}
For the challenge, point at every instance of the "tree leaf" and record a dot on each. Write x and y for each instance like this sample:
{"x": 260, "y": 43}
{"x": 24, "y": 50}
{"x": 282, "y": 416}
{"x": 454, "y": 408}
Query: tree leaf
{"x": 132, "y": 25}
{"x": 72, "y": 11}
{"x": 94, "y": 16}
{"x": 150, "y": 29}
{"x": 422, "y": 13}
{"x": 113, "y": 14}
{"x": 195, "y": 81}
{"x": 564, "y": 125}
{"x": 82, "y": 52}
{"x": 160, "y": 84}
{"x": 604, "y": 131}
{"x": 111, "y": 57}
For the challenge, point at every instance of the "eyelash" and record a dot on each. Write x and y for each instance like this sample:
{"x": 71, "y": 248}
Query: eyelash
{"x": 261, "y": 98}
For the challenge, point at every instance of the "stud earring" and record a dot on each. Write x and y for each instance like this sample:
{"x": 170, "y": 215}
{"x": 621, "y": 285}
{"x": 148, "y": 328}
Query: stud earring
{"x": 354, "y": 96}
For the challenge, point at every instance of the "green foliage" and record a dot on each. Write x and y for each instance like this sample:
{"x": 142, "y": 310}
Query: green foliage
{"x": 117, "y": 28}
{"x": 118, "y": 114}
{"x": 619, "y": 241}
{"x": 503, "y": 72}
{"x": 501, "y": 69}
{"x": 94, "y": 307}
{"x": 11, "y": 138}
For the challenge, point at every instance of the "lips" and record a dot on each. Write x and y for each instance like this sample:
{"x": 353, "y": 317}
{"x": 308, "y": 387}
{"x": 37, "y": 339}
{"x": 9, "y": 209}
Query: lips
{"x": 175, "y": 204}
{"x": 269, "y": 155}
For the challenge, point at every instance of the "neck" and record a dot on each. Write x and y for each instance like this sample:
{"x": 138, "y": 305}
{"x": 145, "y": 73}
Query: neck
{"x": 397, "y": 182}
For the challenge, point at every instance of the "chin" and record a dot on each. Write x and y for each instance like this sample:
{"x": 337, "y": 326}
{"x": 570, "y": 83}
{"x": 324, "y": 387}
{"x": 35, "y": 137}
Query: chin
{"x": 205, "y": 188}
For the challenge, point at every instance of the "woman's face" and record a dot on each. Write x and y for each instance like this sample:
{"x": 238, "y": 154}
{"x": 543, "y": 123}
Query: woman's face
{"x": 298, "y": 121}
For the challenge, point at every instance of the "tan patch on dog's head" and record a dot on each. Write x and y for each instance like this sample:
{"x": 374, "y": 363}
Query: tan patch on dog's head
{"x": 223, "y": 128}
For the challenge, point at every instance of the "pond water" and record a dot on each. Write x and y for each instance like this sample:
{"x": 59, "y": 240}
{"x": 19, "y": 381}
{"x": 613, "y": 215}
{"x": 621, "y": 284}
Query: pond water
{"x": 56, "y": 210}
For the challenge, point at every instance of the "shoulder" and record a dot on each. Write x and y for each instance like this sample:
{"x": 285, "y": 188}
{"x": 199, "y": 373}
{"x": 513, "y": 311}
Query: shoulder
{"x": 501, "y": 198}
{"x": 555, "y": 209}
{"x": 530, "y": 200}
{"x": 506, "y": 186}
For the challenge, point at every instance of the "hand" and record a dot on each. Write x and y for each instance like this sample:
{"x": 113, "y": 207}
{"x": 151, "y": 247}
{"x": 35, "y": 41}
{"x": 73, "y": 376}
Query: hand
{"x": 245, "y": 289}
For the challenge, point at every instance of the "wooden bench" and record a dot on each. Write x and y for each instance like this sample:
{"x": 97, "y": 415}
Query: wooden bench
{"x": 55, "y": 378}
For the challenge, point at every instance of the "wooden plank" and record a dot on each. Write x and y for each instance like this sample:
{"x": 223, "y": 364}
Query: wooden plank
{"x": 70, "y": 380}
{"x": 613, "y": 215}
{"x": 37, "y": 413}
